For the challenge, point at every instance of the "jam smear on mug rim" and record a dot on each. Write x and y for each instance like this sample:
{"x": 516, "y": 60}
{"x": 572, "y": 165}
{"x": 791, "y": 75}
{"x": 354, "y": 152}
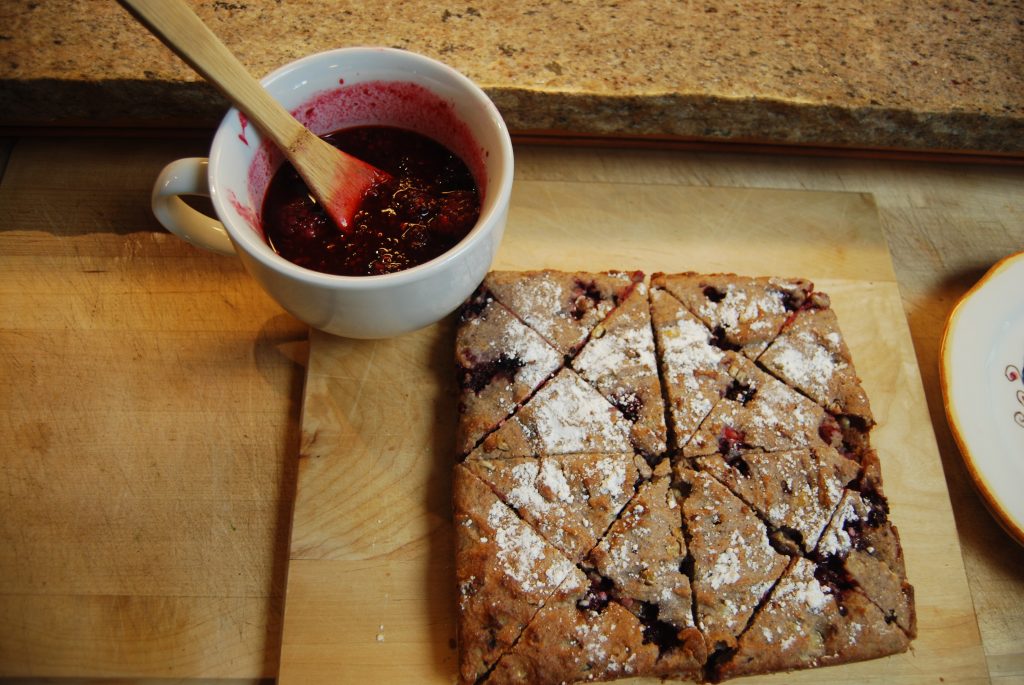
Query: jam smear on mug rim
{"x": 430, "y": 203}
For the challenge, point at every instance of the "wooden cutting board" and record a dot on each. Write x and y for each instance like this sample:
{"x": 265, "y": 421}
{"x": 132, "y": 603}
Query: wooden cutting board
{"x": 370, "y": 590}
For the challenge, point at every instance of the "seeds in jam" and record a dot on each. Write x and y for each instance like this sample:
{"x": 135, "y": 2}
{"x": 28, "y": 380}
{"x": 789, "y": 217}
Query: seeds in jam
{"x": 430, "y": 203}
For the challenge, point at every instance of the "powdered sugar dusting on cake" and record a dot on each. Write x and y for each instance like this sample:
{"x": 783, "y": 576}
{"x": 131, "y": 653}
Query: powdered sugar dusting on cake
{"x": 800, "y": 588}
{"x": 467, "y": 588}
{"x": 522, "y": 553}
{"x": 624, "y": 556}
{"x": 623, "y": 553}
{"x": 552, "y": 478}
{"x": 727, "y": 310}
{"x": 836, "y": 540}
{"x": 833, "y": 491}
{"x": 628, "y": 350}
{"x": 735, "y": 531}
{"x": 811, "y": 595}
{"x": 735, "y": 564}
{"x": 539, "y": 294}
{"x": 687, "y": 358}
{"x": 614, "y": 472}
{"x": 539, "y": 358}
{"x": 737, "y": 307}
{"x": 570, "y": 416}
{"x": 593, "y": 640}
{"x": 687, "y": 348}
{"x": 525, "y": 494}
{"x": 573, "y": 582}
{"x": 779, "y": 511}
{"x": 726, "y": 570}
{"x": 777, "y": 407}
{"x": 806, "y": 364}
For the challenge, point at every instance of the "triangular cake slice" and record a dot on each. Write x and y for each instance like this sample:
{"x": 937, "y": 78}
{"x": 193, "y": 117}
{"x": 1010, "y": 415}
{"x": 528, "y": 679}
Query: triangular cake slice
{"x": 500, "y": 362}
{"x": 744, "y": 313}
{"x": 562, "y": 307}
{"x": 644, "y": 555}
{"x": 758, "y": 411}
{"x": 619, "y": 360}
{"x": 691, "y": 365}
{"x": 734, "y": 564}
{"x": 811, "y": 355}
{"x": 505, "y": 573}
{"x": 583, "y": 636}
{"x": 861, "y": 548}
{"x": 569, "y": 499}
{"x": 806, "y": 623}
{"x": 864, "y": 633}
{"x": 567, "y": 415}
{"x": 796, "y": 491}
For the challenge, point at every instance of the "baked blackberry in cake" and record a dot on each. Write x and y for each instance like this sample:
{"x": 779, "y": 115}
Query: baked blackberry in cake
{"x": 810, "y": 355}
{"x": 562, "y": 307}
{"x": 504, "y": 570}
{"x": 734, "y": 563}
{"x": 575, "y": 638}
{"x": 807, "y": 623}
{"x": 570, "y": 499}
{"x": 693, "y": 369}
{"x": 500, "y": 361}
{"x": 674, "y": 481}
{"x": 794, "y": 491}
{"x": 618, "y": 359}
{"x": 758, "y": 411}
{"x": 743, "y": 313}
{"x": 644, "y": 556}
{"x": 861, "y": 548}
{"x": 566, "y": 416}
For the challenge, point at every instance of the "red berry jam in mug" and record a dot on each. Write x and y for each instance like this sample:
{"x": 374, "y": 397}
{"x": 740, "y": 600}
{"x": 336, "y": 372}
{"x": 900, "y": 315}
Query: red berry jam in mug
{"x": 427, "y": 207}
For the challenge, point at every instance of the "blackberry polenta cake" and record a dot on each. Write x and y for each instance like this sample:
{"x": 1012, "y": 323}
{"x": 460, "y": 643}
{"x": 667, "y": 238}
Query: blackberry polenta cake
{"x": 669, "y": 477}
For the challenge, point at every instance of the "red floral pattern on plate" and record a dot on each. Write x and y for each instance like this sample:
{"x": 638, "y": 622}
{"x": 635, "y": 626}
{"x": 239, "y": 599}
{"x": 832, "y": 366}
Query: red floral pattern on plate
{"x": 1013, "y": 374}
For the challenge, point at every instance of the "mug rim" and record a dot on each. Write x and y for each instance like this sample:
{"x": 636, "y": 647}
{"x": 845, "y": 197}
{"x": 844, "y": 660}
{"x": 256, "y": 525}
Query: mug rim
{"x": 243, "y": 239}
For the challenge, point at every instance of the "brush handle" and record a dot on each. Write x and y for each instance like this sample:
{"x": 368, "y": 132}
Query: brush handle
{"x": 183, "y": 32}
{"x": 339, "y": 181}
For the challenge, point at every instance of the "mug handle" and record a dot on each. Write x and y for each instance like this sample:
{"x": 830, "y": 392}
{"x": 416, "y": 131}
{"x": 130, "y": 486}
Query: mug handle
{"x": 188, "y": 177}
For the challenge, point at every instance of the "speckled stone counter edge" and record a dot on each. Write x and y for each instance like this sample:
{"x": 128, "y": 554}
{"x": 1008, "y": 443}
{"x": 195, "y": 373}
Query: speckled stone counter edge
{"x": 157, "y": 104}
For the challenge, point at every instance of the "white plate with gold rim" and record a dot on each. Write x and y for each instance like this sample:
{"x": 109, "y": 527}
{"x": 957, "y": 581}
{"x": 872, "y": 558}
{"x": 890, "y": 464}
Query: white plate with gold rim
{"x": 981, "y": 364}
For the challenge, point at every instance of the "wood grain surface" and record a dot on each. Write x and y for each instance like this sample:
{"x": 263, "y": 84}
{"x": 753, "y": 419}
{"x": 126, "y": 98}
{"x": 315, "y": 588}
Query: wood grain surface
{"x": 149, "y": 410}
{"x": 371, "y": 588}
{"x": 148, "y": 420}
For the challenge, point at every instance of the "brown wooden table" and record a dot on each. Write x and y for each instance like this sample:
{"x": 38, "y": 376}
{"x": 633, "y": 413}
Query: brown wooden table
{"x": 150, "y": 405}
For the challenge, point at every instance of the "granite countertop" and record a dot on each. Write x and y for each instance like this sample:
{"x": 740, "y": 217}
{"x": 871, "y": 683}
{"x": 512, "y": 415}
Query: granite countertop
{"x": 875, "y": 74}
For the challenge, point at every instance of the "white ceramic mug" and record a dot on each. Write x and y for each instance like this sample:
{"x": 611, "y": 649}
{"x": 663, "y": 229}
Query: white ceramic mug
{"x": 330, "y": 91}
